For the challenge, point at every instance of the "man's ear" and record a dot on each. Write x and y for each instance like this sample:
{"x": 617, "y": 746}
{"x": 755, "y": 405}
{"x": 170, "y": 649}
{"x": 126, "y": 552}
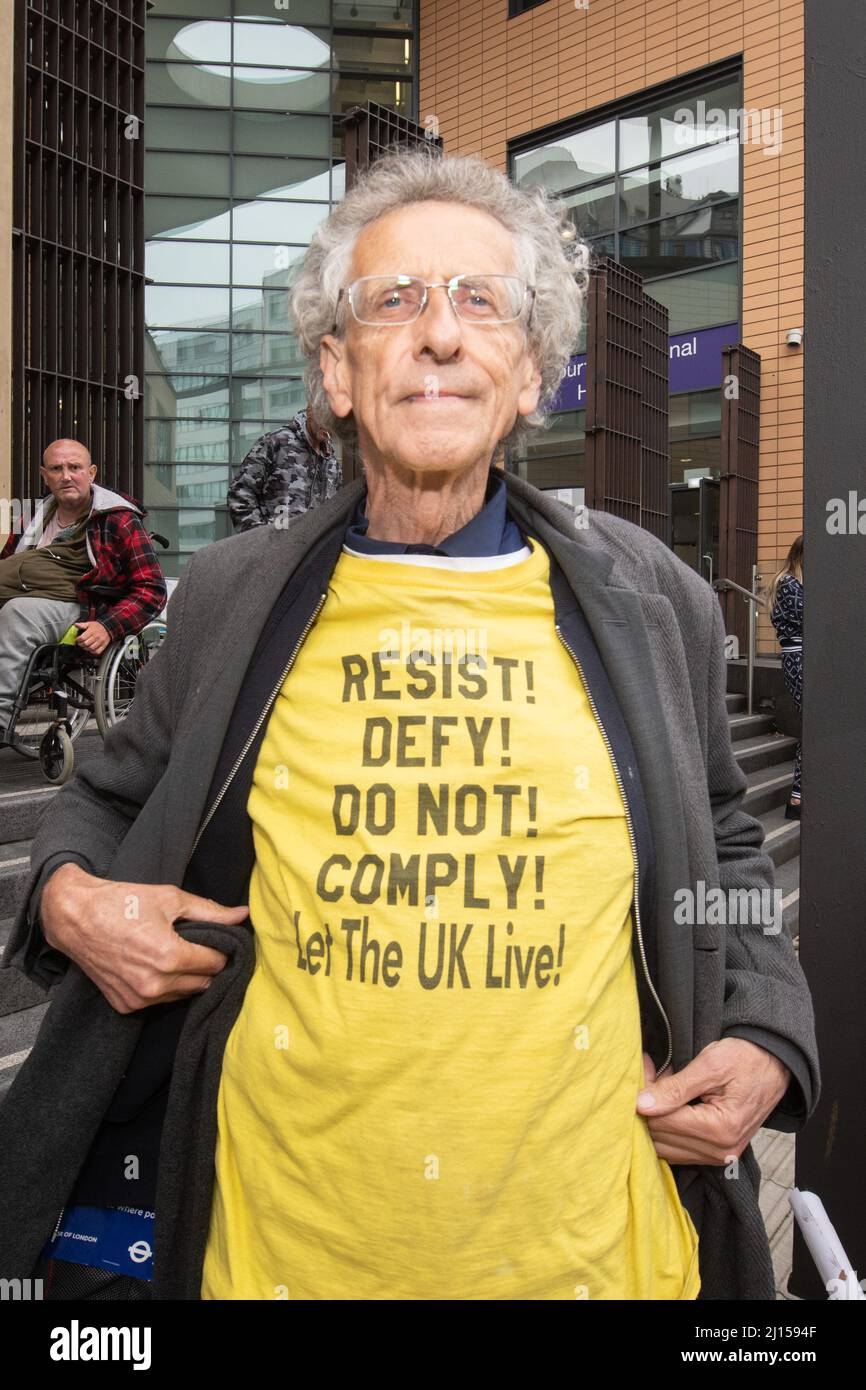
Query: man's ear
{"x": 334, "y": 368}
{"x": 530, "y": 390}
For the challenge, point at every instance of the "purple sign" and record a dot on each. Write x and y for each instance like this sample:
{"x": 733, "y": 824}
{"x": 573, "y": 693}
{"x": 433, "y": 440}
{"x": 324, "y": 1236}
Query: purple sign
{"x": 695, "y": 365}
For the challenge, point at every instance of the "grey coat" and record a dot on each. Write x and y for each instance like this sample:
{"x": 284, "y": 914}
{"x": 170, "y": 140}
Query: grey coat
{"x": 135, "y": 814}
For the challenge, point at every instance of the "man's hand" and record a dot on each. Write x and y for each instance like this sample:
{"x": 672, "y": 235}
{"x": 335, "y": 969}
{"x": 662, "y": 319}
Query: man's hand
{"x": 121, "y": 935}
{"x": 738, "y": 1084}
{"x": 93, "y": 638}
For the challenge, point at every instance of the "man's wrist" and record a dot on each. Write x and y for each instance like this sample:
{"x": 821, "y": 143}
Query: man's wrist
{"x": 62, "y": 883}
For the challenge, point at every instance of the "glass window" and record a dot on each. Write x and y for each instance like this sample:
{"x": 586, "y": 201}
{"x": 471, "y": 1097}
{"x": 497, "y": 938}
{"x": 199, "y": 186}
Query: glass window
{"x": 282, "y": 222}
{"x": 264, "y": 132}
{"x": 570, "y": 161}
{"x": 700, "y": 300}
{"x": 189, "y": 40}
{"x": 200, "y": 9}
{"x": 695, "y": 413}
{"x": 198, "y": 440}
{"x": 201, "y": 218}
{"x": 264, "y": 309}
{"x": 266, "y": 354}
{"x": 190, "y": 529}
{"x": 297, "y": 12}
{"x": 188, "y": 84}
{"x": 281, "y": 89}
{"x": 187, "y": 173}
{"x": 697, "y": 119}
{"x": 603, "y": 245}
{"x": 373, "y": 52}
{"x": 186, "y": 306}
{"x": 678, "y": 243}
{"x": 270, "y": 266}
{"x": 679, "y": 185}
{"x": 276, "y": 178}
{"x": 261, "y": 398}
{"x": 176, "y": 128}
{"x": 281, "y": 45}
{"x": 355, "y": 91}
{"x": 175, "y": 351}
{"x": 192, "y": 262}
{"x": 592, "y": 210}
{"x": 370, "y": 14}
{"x": 186, "y": 397}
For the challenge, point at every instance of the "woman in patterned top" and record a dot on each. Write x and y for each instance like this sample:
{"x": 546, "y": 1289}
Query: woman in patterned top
{"x": 785, "y": 602}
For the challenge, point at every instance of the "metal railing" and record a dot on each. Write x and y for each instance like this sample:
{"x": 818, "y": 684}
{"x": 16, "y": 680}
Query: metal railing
{"x": 753, "y": 598}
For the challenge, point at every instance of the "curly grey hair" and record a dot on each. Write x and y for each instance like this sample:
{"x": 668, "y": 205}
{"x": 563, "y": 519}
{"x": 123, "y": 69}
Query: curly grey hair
{"x": 549, "y": 255}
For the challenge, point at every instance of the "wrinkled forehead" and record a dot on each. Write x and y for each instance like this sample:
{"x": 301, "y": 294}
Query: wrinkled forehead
{"x": 66, "y": 453}
{"x": 436, "y": 240}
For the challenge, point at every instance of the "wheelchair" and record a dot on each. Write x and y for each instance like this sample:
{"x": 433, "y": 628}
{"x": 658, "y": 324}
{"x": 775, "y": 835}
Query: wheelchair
{"x": 63, "y": 686}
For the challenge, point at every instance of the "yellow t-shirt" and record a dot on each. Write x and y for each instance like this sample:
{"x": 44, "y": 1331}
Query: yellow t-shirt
{"x": 429, "y": 1092}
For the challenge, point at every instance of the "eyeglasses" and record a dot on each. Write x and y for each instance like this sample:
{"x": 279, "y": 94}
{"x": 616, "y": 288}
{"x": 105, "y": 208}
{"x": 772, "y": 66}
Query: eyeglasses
{"x": 381, "y": 300}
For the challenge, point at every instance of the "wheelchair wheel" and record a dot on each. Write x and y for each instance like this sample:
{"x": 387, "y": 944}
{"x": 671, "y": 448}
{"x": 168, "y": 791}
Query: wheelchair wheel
{"x": 118, "y": 672}
{"x": 38, "y": 718}
{"x": 56, "y": 756}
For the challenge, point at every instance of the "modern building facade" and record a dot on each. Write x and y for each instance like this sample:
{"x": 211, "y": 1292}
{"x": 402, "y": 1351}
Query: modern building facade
{"x": 674, "y": 132}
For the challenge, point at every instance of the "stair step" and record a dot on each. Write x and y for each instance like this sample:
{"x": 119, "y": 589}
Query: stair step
{"x": 749, "y": 725}
{"x": 767, "y": 787}
{"x": 781, "y": 837}
{"x": 765, "y": 750}
{"x": 14, "y": 872}
{"x": 735, "y": 702}
{"x": 21, "y": 811}
{"x": 17, "y": 1036}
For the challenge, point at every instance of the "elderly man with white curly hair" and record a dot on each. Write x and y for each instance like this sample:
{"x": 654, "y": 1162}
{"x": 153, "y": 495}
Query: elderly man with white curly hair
{"x": 374, "y": 974}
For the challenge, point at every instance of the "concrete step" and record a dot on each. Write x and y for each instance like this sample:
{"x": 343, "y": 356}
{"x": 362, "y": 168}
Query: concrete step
{"x": 768, "y": 787}
{"x": 735, "y": 702}
{"x": 17, "y": 1036}
{"x": 781, "y": 837}
{"x": 764, "y": 750}
{"x": 16, "y": 991}
{"x": 750, "y": 725}
{"x": 14, "y": 871}
{"x": 21, "y": 811}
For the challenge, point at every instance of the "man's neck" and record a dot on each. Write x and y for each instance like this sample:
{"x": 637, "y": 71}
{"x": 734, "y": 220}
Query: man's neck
{"x": 422, "y": 508}
{"x": 66, "y": 516}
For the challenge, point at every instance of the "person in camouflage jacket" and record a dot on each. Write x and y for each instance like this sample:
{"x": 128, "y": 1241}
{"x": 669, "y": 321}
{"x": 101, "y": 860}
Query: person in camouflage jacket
{"x": 286, "y": 473}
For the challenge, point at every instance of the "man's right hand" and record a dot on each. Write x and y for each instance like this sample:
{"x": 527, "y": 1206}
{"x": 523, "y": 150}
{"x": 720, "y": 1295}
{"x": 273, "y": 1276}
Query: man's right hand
{"x": 122, "y": 936}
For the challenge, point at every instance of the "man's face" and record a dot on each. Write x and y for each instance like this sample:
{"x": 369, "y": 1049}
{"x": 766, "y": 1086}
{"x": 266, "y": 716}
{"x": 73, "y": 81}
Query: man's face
{"x": 437, "y": 394}
{"x": 68, "y": 472}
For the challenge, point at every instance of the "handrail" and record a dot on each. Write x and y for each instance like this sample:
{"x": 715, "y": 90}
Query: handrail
{"x": 753, "y": 600}
{"x": 747, "y": 593}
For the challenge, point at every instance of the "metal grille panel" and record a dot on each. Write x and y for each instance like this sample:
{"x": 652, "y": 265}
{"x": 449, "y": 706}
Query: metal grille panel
{"x": 78, "y": 236}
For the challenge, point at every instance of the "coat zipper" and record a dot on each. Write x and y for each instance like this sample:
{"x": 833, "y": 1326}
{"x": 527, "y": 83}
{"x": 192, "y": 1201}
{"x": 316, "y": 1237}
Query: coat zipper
{"x": 258, "y": 724}
{"x": 631, "y": 835}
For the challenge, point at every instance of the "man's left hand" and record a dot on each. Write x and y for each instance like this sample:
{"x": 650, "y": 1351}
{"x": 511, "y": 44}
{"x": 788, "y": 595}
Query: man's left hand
{"x": 92, "y": 637}
{"x": 738, "y": 1084}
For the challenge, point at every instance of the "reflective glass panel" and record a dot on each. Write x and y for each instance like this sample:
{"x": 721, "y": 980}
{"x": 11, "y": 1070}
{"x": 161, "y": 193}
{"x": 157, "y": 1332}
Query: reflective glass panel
{"x": 570, "y": 161}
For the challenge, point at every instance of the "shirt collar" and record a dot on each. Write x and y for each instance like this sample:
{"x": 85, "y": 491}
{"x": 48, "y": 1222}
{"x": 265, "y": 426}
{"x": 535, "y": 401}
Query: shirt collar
{"x": 490, "y": 532}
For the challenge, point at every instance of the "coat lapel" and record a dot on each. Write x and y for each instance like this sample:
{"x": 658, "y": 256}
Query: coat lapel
{"x": 220, "y": 670}
{"x": 624, "y": 632}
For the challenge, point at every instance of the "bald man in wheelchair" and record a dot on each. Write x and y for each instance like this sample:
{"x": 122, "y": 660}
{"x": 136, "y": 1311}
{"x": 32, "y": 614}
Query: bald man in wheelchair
{"x": 84, "y": 558}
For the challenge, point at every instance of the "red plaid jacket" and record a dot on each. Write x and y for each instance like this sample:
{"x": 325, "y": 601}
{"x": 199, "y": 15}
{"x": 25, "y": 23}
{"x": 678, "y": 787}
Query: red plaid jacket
{"x": 125, "y": 587}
